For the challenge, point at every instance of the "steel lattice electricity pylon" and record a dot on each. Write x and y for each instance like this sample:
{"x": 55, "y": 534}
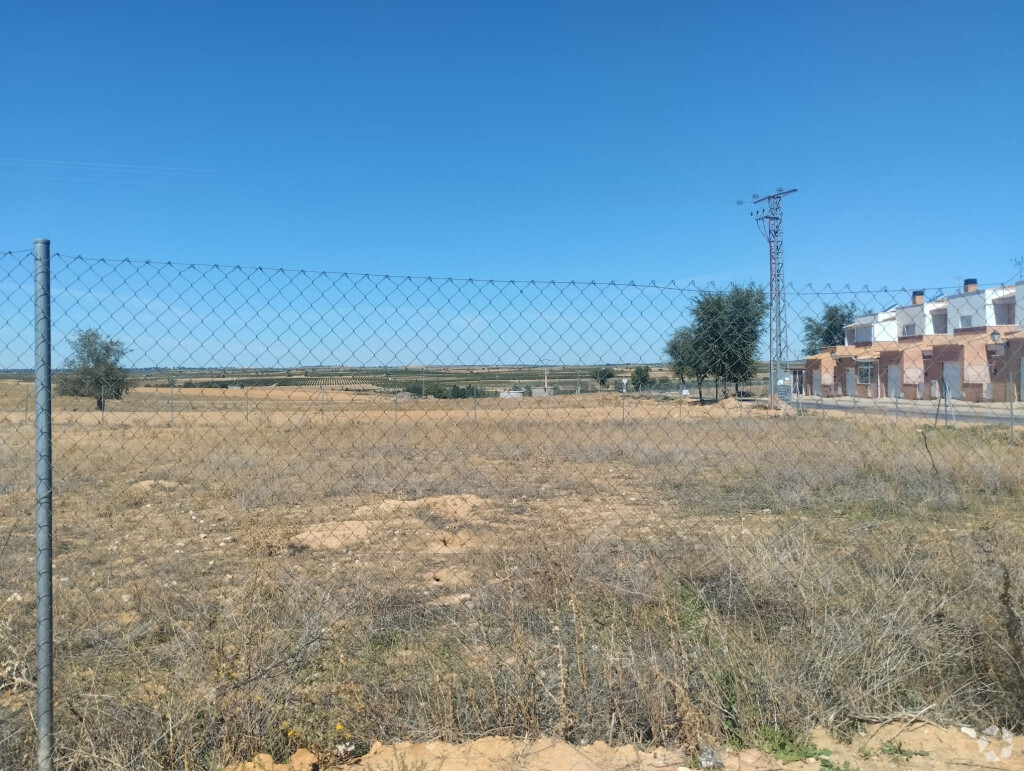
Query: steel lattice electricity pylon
{"x": 769, "y": 221}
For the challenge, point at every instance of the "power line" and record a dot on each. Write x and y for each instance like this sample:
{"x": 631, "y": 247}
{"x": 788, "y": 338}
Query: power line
{"x": 769, "y": 222}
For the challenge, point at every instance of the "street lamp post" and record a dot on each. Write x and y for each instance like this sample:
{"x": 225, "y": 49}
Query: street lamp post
{"x": 1000, "y": 349}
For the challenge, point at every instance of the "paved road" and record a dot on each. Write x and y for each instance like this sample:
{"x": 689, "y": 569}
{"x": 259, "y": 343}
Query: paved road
{"x": 998, "y": 413}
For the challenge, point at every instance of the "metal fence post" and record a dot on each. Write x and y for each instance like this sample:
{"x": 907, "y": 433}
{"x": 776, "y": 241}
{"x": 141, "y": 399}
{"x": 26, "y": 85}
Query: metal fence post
{"x": 44, "y": 512}
{"x": 1013, "y": 396}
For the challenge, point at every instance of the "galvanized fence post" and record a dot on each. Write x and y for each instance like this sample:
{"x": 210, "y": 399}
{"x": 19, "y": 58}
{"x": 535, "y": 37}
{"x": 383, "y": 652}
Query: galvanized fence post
{"x": 44, "y": 512}
{"x": 1011, "y": 397}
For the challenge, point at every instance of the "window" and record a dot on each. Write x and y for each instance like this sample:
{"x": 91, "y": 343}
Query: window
{"x": 909, "y": 330}
{"x": 865, "y": 372}
{"x": 939, "y": 322}
{"x": 862, "y": 334}
{"x": 1004, "y": 313}
{"x": 966, "y": 321}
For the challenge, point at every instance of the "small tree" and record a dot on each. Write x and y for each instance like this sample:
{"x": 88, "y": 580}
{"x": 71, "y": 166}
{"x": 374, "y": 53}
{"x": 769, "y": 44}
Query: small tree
{"x": 641, "y": 377}
{"x": 685, "y": 356}
{"x": 722, "y": 342}
{"x": 746, "y": 308}
{"x": 603, "y": 374}
{"x": 94, "y": 369}
{"x": 828, "y": 329}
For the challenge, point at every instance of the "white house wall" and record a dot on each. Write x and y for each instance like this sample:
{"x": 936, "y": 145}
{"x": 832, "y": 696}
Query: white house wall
{"x": 910, "y": 314}
{"x": 929, "y": 310}
{"x": 887, "y": 331}
{"x": 999, "y": 295}
{"x": 921, "y": 316}
{"x": 883, "y": 327}
{"x": 973, "y": 304}
{"x": 888, "y": 325}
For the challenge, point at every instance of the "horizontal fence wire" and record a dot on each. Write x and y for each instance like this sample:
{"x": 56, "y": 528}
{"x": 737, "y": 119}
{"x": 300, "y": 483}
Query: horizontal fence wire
{"x": 310, "y": 509}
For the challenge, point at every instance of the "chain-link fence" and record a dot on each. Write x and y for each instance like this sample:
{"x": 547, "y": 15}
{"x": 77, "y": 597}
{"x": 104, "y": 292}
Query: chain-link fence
{"x": 321, "y": 509}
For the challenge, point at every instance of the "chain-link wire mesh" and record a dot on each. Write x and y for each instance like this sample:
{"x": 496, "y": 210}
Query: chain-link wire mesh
{"x": 307, "y": 509}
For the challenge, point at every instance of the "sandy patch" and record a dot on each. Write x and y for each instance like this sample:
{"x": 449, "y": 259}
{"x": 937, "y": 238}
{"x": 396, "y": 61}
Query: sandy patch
{"x": 877, "y": 748}
{"x": 922, "y": 746}
{"x": 425, "y": 525}
{"x": 447, "y": 600}
{"x": 501, "y": 754}
{"x": 455, "y": 505}
{"x": 335, "y": 535}
{"x": 447, "y": 576}
{"x": 135, "y": 494}
{"x": 150, "y": 485}
{"x": 302, "y": 760}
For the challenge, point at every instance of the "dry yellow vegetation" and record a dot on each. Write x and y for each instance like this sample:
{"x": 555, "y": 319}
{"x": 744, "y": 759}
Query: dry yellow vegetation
{"x": 245, "y": 571}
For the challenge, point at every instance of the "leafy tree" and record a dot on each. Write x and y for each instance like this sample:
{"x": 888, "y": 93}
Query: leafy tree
{"x": 722, "y": 341}
{"x": 641, "y": 377}
{"x": 94, "y": 369}
{"x": 828, "y": 329}
{"x": 746, "y": 309}
{"x": 686, "y": 357}
{"x": 464, "y": 392}
{"x": 603, "y": 374}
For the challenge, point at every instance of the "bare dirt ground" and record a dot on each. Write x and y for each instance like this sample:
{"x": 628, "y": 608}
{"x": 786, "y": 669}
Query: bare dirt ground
{"x": 267, "y": 570}
{"x": 879, "y": 748}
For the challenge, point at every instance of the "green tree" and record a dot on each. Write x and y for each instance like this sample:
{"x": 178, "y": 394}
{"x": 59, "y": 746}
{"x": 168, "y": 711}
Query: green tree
{"x": 603, "y": 374}
{"x": 686, "y": 358}
{"x": 746, "y": 310}
{"x": 94, "y": 369}
{"x": 641, "y": 377}
{"x": 828, "y": 329}
{"x": 721, "y": 344}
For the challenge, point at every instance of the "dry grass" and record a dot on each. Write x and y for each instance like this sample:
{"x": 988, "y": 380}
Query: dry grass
{"x": 646, "y": 571}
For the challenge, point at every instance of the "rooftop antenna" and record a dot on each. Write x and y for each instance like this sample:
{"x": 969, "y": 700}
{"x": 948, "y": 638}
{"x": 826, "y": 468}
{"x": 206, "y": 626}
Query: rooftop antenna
{"x": 769, "y": 222}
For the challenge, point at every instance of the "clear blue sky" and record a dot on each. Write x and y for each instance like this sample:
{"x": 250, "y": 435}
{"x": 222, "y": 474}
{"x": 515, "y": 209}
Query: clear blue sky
{"x": 587, "y": 140}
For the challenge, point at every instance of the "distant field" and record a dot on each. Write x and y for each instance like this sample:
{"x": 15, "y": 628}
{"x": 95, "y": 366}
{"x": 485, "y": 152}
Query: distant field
{"x": 566, "y": 379}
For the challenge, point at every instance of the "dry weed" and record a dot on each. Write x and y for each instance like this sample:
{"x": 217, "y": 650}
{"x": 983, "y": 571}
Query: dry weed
{"x": 677, "y": 576}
